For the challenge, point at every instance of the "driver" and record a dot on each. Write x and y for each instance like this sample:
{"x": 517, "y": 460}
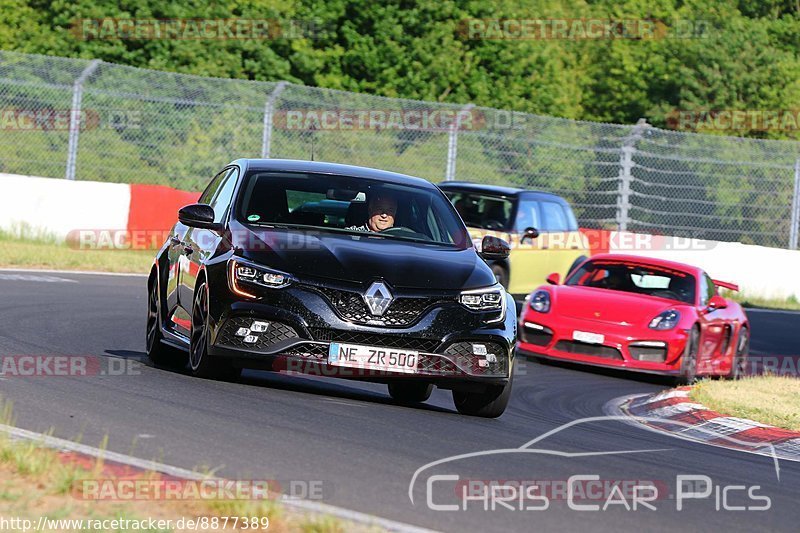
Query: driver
{"x": 381, "y": 211}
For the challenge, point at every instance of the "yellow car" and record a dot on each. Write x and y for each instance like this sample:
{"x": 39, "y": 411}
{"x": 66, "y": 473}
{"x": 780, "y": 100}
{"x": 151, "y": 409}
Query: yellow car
{"x": 540, "y": 227}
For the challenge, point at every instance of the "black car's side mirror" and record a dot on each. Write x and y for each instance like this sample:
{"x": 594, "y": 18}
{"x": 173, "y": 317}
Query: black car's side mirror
{"x": 529, "y": 233}
{"x": 199, "y": 216}
{"x": 494, "y": 248}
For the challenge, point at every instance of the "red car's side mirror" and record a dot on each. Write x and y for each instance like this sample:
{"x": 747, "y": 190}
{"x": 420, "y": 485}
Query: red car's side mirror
{"x": 717, "y": 302}
{"x": 554, "y": 278}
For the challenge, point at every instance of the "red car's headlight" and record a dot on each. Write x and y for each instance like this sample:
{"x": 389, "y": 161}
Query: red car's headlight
{"x": 665, "y": 320}
{"x": 540, "y": 301}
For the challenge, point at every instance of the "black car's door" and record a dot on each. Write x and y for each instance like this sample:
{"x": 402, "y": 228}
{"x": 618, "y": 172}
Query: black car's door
{"x": 174, "y": 255}
{"x": 199, "y": 244}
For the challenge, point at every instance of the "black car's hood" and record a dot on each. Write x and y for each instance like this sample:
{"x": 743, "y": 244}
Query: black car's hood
{"x": 364, "y": 258}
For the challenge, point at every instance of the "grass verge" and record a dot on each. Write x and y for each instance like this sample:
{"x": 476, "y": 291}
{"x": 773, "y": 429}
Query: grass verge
{"x": 773, "y": 400}
{"x": 36, "y": 481}
{"x": 47, "y": 253}
{"x": 746, "y": 300}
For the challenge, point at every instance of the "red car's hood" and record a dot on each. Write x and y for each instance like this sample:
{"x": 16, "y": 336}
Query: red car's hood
{"x": 604, "y": 305}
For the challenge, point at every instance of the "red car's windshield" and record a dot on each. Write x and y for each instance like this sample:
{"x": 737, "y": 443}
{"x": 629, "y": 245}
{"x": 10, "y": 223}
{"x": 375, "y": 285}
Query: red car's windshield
{"x": 636, "y": 278}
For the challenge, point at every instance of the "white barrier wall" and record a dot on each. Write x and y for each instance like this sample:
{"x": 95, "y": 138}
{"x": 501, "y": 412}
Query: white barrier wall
{"x": 758, "y": 270}
{"x": 57, "y": 206}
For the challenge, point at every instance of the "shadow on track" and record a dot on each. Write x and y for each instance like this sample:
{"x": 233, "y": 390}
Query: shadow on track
{"x": 653, "y": 379}
{"x": 327, "y": 386}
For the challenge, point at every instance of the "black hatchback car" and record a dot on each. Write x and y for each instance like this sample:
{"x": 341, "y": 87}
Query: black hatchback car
{"x": 333, "y": 270}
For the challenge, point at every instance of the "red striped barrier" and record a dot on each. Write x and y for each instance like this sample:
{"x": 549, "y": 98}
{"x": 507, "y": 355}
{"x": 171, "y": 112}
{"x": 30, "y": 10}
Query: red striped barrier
{"x": 154, "y": 208}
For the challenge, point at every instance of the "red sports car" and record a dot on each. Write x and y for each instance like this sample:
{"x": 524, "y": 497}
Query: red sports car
{"x": 640, "y": 314}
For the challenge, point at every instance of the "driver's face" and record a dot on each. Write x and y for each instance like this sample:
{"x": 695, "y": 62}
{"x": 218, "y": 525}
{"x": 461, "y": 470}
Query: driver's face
{"x": 381, "y": 213}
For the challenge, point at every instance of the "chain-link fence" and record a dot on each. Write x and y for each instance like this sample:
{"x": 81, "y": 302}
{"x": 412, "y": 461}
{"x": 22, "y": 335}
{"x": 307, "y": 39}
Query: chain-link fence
{"x": 91, "y": 120}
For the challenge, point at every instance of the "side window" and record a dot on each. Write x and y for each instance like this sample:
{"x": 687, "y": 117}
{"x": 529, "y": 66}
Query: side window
{"x": 465, "y": 206}
{"x": 224, "y": 194}
{"x": 707, "y": 289}
{"x": 553, "y": 217}
{"x": 212, "y": 188}
{"x": 302, "y": 200}
{"x": 528, "y": 215}
{"x": 572, "y": 222}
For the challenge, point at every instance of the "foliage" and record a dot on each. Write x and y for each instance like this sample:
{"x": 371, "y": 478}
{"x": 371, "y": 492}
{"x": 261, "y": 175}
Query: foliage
{"x": 727, "y": 54}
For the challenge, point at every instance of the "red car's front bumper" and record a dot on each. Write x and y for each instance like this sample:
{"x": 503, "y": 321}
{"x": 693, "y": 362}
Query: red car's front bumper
{"x": 623, "y": 346}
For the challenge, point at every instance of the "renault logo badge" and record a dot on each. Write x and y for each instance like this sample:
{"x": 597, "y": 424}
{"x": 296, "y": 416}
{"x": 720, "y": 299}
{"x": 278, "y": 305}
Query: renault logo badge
{"x": 378, "y": 297}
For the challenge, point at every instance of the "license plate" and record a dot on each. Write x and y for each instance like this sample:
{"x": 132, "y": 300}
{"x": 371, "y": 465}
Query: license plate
{"x": 591, "y": 338}
{"x": 373, "y": 358}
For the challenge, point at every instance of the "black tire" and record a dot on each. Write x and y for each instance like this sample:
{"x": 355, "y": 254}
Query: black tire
{"x": 739, "y": 365}
{"x": 689, "y": 358}
{"x": 201, "y": 363}
{"x": 490, "y": 403}
{"x": 575, "y": 264}
{"x": 500, "y": 274}
{"x": 159, "y": 353}
{"x": 410, "y": 391}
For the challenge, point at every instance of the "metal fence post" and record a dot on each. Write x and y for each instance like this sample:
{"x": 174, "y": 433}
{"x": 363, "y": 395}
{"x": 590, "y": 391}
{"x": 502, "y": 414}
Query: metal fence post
{"x": 626, "y": 174}
{"x": 795, "y": 218}
{"x": 75, "y": 117}
{"x": 269, "y": 109}
{"x": 452, "y": 144}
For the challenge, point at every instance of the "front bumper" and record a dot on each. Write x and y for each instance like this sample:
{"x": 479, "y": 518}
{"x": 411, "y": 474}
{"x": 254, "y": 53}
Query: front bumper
{"x": 623, "y": 346}
{"x": 302, "y": 324}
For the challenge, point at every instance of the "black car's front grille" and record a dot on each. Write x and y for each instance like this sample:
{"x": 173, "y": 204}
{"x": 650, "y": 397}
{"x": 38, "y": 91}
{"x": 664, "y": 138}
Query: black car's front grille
{"x": 595, "y": 350}
{"x": 402, "y": 311}
{"x": 431, "y": 364}
{"x": 463, "y": 353}
{"x": 236, "y": 333}
{"x": 310, "y": 350}
{"x": 375, "y": 339}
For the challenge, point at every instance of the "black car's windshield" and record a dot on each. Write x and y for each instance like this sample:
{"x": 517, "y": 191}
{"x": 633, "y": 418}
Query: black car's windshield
{"x": 350, "y": 204}
{"x": 637, "y": 278}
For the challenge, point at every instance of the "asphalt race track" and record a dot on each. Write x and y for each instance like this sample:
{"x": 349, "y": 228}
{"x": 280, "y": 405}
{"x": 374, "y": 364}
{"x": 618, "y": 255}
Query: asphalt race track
{"x": 350, "y": 437}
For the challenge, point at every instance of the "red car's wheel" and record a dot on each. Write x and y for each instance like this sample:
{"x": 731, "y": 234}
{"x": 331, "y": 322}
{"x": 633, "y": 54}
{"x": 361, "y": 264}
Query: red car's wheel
{"x": 689, "y": 358}
{"x": 739, "y": 364}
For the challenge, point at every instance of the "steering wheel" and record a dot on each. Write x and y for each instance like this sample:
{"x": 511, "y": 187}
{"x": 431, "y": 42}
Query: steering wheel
{"x": 666, "y": 293}
{"x": 402, "y": 231}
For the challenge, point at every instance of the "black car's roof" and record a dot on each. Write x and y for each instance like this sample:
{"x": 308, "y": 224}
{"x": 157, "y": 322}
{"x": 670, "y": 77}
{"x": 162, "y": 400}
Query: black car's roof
{"x": 494, "y": 189}
{"x": 321, "y": 167}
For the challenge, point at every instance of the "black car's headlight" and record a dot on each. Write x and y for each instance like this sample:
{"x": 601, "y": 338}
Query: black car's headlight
{"x": 540, "y": 301}
{"x": 488, "y": 299}
{"x": 665, "y": 320}
{"x": 244, "y": 276}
